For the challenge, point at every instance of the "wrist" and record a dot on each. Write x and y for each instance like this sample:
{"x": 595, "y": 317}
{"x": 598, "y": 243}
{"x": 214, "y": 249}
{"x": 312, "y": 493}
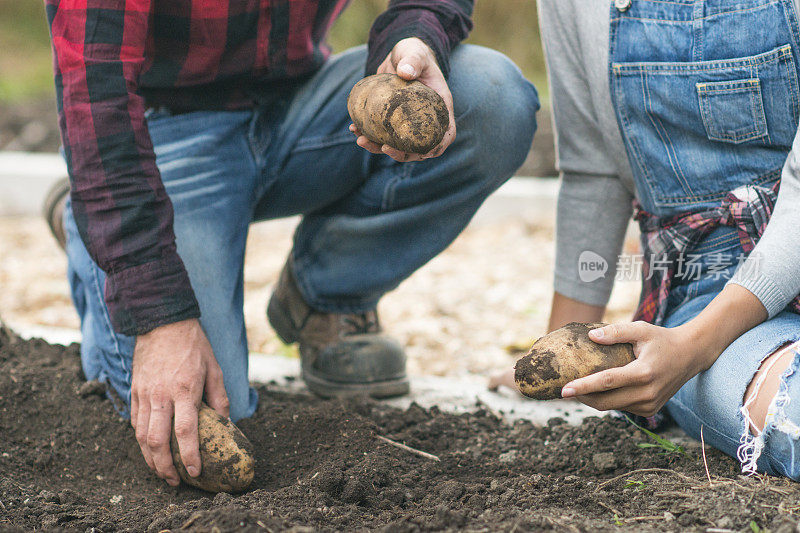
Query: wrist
{"x": 705, "y": 345}
{"x": 180, "y": 325}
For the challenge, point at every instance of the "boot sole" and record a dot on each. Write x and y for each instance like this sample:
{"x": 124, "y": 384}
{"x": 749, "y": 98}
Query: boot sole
{"x": 334, "y": 389}
{"x": 325, "y": 388}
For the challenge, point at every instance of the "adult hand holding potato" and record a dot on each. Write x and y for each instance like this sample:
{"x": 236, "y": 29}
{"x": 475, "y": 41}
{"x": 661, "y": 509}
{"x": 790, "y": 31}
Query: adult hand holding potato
{"x": 412, "y": 59}
{"x": 666, "y": 358}
{"x": 172, "y": 366}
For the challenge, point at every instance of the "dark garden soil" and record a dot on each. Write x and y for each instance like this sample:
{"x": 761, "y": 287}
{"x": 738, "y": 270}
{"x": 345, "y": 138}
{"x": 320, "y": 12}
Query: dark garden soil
{"x": 67, "y": 462}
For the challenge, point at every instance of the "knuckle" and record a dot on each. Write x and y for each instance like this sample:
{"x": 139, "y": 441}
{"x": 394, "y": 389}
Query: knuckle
{"x": 155, "y": 441}
{"x": 184, "y": 385}
{"x": 158, "y": 399}
{"x": 183, "y": 429}
{"x": 607, "y": 381}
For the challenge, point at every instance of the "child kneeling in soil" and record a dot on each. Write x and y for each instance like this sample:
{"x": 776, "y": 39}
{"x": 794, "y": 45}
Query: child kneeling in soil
{"x": 685, "y": 115}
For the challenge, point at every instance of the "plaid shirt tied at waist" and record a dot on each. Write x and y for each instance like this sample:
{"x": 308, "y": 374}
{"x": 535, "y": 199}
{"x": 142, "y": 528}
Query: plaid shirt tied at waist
{"x": 670, "y": 239}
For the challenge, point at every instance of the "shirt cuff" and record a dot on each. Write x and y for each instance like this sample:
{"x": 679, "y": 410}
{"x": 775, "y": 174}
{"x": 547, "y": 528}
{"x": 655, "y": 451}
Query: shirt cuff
{"x": 144, "y": 297}
{"x": 425, "y": 26}
{"x": 596, "y": 293}
{"x": 765, "y": 289}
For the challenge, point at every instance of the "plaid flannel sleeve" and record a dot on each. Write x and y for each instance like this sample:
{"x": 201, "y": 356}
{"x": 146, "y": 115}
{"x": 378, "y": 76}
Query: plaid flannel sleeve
{"x": 441, "y": 24}
{"x": 123, "y": 213}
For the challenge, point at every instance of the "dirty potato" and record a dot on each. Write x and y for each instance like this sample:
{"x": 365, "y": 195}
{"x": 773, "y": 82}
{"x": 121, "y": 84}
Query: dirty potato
{"x": 225, "y": 453}
{"x": 564, "y": 355}
{"x": 406, "y": 115}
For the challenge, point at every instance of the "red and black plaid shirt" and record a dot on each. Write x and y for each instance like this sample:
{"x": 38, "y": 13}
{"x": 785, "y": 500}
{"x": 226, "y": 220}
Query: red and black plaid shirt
{"x": 114, "y": 58}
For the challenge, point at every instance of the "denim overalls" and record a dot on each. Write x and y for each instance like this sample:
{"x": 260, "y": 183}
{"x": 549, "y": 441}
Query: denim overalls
{"x": 707, "y": 99}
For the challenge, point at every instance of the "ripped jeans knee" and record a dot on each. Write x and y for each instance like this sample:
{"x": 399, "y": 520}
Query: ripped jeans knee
{"x": 769, "y": 423}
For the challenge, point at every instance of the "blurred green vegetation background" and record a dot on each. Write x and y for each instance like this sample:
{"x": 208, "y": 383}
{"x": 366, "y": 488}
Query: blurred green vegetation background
{"x": 26, "y": 72}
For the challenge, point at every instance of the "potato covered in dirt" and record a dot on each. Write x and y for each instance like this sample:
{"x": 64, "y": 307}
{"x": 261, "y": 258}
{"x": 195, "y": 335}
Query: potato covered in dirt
{"x": 406, "y": 115}
{"x": 564, "y": 355}
{"x": 225, "y": 453}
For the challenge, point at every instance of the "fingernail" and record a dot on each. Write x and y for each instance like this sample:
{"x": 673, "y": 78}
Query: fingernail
{"x": 567, "y": 392}
{"x": 192, "y": 470}
{"x": 407, "y": 69}
{"x": 598, "y": 333}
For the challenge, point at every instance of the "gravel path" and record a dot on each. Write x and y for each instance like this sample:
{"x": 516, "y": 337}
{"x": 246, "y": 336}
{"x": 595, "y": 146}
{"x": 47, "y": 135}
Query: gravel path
{"x": 469, "y": 310}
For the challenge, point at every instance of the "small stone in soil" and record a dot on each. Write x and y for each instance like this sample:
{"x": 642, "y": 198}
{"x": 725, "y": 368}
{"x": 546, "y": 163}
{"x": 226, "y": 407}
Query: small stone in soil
{"x": 508, "y": 457}
{"x": 604, "y": 462}
{"x": 451, "y": 490}
{"x": 49, "y": 496}
{"x": 725, "y": 523}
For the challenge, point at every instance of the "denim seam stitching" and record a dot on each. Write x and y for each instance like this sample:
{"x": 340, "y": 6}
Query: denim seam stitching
{"x": 670, "y": 147}
{"x": 323, "y": 142}
{"x": 719, "y": 195}
{"x": 697, "y": 33}
{"x": 791, "y": 73}
{"x": 668, "y": 68}
{"x": 635, "y": 150}
{"x": 707, "y": 17}
{"x": 390, "y": 192}
{"x": 757, "y": 98}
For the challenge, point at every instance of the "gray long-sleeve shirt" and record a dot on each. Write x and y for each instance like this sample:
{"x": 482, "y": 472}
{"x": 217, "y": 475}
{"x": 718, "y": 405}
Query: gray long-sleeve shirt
{"x": 597, "y": 187}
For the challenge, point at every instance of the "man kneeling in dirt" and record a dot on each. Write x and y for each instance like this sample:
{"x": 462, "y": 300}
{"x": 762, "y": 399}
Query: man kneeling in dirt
{"x": 183, "y": 122}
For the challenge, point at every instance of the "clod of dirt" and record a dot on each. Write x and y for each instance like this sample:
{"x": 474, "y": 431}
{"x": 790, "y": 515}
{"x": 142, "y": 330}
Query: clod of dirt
{"x": 564, "y": 355}
{"x": 508, "y": 457}
{"x": 604, "y": 462}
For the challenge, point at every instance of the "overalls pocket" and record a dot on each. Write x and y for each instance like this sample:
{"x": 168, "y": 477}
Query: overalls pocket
{"x": 706, "y": 95}
{"x": 697, "y": 130}
{"x": 733, "y": 111}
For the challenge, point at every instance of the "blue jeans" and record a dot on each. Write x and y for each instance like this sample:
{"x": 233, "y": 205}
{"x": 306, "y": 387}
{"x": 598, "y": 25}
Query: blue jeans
{"x": 712, "y": 400}
{"x": 369, "y": 222}
{"x": 707, "y": 98}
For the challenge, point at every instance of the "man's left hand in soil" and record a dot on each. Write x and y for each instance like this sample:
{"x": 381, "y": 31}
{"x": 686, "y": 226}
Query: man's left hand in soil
{"x": 172, "y": 367}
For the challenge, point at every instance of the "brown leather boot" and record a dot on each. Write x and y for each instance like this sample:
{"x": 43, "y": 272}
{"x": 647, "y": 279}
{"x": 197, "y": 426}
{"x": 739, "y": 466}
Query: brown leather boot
{"x": 340, "y": 354}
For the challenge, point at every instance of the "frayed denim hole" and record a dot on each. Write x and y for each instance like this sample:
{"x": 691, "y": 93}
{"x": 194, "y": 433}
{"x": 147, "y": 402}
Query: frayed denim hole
{"x": 751, "y": 446}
